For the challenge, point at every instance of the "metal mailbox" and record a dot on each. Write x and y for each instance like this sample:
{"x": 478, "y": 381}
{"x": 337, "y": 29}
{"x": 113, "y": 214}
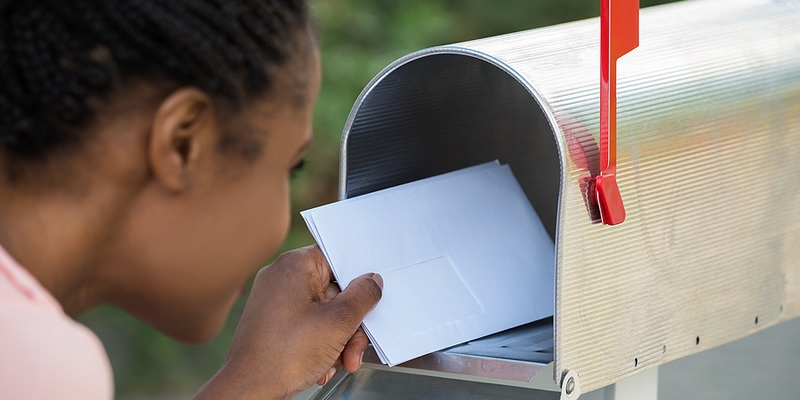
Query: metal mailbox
{"x": 708, "y": 165}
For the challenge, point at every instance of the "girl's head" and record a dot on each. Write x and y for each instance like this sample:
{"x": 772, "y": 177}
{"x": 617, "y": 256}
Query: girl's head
{"x": 146, "y": 148}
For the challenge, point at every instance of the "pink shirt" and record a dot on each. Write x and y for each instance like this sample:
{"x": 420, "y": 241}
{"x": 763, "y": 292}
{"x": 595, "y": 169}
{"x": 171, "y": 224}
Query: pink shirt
{"x": 44, "y": 354}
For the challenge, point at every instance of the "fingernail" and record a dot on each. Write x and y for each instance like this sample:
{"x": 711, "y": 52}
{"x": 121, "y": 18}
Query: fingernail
{"x": 331, "y": 373}
{"x": 361, "y": 359}
{"x": 378, "y": 279}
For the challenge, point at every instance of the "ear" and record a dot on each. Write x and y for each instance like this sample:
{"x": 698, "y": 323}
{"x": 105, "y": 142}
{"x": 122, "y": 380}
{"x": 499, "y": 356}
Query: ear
{"x": 183, "y": 129}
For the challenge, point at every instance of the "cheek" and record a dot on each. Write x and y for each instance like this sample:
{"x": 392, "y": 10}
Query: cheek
{"x": 268, "y": 219}
{"x": 179, "y": 264}
{"x": 278, "y": 218}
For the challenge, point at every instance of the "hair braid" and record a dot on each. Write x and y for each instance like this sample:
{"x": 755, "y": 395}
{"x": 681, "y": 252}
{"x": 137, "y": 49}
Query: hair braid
{"x": 24, "y": 133}
{"x": 191, "y": 34}
{"x": 245, "y": 56}
{"x": 55, "y": 56}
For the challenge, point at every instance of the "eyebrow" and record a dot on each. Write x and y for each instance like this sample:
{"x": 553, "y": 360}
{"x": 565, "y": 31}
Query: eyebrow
{"x": 306, "y": 146}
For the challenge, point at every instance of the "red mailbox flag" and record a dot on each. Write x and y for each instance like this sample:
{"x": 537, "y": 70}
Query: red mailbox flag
{"x": 619, "y": 20}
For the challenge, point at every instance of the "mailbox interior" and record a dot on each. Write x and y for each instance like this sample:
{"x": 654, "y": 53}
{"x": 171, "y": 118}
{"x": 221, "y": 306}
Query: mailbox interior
{"x": 437, "y": 112}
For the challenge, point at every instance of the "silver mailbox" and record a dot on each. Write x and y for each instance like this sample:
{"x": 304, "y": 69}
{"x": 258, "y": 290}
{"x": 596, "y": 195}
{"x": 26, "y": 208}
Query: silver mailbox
{"x": 709, "y": 168}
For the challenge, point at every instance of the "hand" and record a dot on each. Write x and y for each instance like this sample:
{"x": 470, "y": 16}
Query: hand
{"x": 296, "y": 329}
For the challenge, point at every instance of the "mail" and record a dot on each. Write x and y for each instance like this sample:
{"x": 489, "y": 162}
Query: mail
{"x": 462, "y": 255}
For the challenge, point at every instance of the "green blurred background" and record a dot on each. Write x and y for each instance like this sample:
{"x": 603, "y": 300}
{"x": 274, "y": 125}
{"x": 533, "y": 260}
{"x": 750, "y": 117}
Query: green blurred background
{"x": 357, "y": 39}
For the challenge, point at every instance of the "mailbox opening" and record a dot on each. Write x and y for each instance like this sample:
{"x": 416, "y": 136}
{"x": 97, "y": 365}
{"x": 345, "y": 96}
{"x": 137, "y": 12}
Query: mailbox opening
{"x": 438, "y": 112}
{"x": 445, "y": 111}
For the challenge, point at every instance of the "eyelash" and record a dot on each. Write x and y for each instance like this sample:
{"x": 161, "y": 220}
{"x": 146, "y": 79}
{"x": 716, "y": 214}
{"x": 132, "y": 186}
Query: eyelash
{"x": 299, "y": 166}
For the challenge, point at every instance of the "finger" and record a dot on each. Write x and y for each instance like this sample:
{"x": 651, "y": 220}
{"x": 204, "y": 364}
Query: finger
{"x": 331, "y": 291}
{"x": 327, "y": 378}
{"x": 333, "y": 370}
{"x": 306, "y": 261}
{"x": 319, "y": 262}
{"x": 353, "y": 353}
{"x": 313, "y": 265}
{"x": 358, "y": 299}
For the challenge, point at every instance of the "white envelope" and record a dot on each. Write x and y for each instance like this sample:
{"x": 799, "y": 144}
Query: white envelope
{"x": 462, "y": 255}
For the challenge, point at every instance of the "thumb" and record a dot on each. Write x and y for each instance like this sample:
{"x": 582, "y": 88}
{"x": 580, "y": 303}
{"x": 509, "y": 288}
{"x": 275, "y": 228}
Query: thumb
{"x": 360, "y": 296}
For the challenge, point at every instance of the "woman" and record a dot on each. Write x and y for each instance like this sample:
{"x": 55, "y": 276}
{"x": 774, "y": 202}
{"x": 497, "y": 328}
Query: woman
{"x": 145, "y": 154}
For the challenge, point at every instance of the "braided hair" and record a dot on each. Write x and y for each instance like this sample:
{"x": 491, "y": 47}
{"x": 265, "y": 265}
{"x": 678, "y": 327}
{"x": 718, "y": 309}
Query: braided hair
{"x": 56, "y": 56}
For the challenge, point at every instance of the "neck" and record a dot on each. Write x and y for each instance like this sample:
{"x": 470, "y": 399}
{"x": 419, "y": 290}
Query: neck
{"x": 56, "y": 236}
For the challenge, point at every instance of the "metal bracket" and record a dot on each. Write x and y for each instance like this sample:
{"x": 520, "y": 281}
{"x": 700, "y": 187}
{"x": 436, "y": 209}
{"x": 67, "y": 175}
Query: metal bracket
{"x": 570, "y": 385}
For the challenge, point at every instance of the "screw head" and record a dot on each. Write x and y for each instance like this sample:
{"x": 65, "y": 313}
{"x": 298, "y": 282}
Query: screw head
{"x": 570, "y": 386}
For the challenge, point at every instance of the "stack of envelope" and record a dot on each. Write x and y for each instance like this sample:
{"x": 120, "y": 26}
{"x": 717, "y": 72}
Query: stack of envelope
{"x": 462, "y": 255}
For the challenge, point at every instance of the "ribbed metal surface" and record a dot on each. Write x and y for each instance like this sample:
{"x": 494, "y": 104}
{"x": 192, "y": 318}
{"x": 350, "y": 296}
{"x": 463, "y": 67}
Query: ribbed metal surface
{"x": 709, "y": 164}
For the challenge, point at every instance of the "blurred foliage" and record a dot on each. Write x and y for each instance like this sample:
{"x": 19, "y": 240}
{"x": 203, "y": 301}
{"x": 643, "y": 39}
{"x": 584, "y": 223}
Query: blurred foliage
{"x": 357, "y": 39}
